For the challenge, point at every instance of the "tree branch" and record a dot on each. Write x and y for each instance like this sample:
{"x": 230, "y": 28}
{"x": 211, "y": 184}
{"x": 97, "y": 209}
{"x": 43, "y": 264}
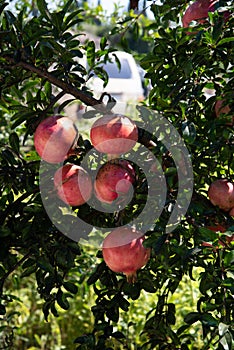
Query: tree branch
{"x": 88, "y": 100}
{"x": 12, "y": 269}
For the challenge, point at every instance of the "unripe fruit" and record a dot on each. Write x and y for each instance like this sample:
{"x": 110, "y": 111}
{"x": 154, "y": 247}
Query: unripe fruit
{"x": 114, "y": 181}
{"x": 114, "y": 134}
{"x": 123, "y": 251}
{"x": 54, "y": 138}
{"x": 221, "y": 193}
{"x": 73, "y": 184}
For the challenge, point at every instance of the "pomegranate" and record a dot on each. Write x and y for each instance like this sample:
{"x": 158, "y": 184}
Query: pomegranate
{"x": 114, "y": 181}
{"x": 54, "y": 138}
{"x": 231, "y": 212}
{"x": 73, "y": 184}
{"x": 221, "y": 193}
{"x": 123, "y": 251}
{"x": 114, "y": 134}
{"x": 198, "y": 11}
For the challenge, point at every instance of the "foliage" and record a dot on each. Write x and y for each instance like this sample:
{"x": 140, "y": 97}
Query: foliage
{"x": 42, "y": 51}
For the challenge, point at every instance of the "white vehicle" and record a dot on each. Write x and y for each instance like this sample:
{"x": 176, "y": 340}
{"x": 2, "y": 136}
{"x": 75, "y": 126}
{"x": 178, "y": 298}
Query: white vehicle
{"x": 125, "y": 83}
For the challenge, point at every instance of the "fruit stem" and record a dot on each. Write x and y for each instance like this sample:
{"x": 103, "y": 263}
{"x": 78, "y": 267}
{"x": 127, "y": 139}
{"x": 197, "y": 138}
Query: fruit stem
{"x": 112, "y": 156}
{"x": 131, "y": 277}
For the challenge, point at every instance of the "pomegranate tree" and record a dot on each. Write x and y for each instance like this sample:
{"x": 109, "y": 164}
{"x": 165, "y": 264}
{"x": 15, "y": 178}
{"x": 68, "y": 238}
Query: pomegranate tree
{"x": 221, "y": 193}
{"x": 54, "y": 137}
{"x": 123, "y": 251}
{"x": 114, "y": 181}
{"x": 114, "y": 134}
{"x": 73, "y": 184}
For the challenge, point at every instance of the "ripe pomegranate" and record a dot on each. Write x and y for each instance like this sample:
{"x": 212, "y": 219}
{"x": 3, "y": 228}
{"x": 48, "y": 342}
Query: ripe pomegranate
{"x": 231, "y": 212}
{"x": 123, "y": 251}
{"x": 114, "y": 181}
{"x": 221, "y": 193}
{"x": 73, "y": 184}
{"x": 197, "y": 11}
{"x": 54, "y": 138}
{"x": 114, "y": 134}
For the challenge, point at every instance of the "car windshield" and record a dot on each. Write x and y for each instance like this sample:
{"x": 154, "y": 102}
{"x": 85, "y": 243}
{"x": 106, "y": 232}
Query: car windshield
{"x": 114, "y": 72}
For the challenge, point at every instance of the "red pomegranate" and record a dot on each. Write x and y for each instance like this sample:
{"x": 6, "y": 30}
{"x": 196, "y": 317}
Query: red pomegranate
{"x": 198, "y": 11}
{"x": 73, "y": 184}
{"x": 114, "y": 181}
{"x": 114, "y": 134}
{"x": 221, "y": 193}
{"x": 123, "y": 251}
{"x": 54, "y": 138}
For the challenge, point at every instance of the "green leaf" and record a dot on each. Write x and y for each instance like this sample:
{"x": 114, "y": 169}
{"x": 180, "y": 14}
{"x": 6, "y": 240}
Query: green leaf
{"x": 93, "y": 278}
{"x": 71, "y": 16}
{"x": 70, "y": 287}
{"x": 29, "y": 271}
{"x": 118, "y": 335}
{"x": 89, "y": 114}
{"x": 62, "y": 300}
{"x": 189, "y": 131}
{"x": 46, "y": 309}
{"x": 227, "y": 341}
{"x": 8, "y": 156}
{"x": 223, "y": 328}
{"x": 2, "y": 309}
{"x": 171, "y": 313}
{"x": 54, "y": 310}
{"x": 91, "y": 54}
{"x": 45, "y": 265}
{"x": 225, "y": 40}
{"x": 209, "y": 320}
{"x": 229, "y": 258}
{"x": 103, "y": 43}
{"x": 147, "y": 285}
{"x": 122, "y": 302}
{"x": 113, "y": 314}
{"x": 42, "y": 7}
{"x": 192, "y": 317}
{"x": 229, "y": 284}
{"x": 132, "y": 290}
{"x": 14, "y": 141}
{"x": 10, "y": 17}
